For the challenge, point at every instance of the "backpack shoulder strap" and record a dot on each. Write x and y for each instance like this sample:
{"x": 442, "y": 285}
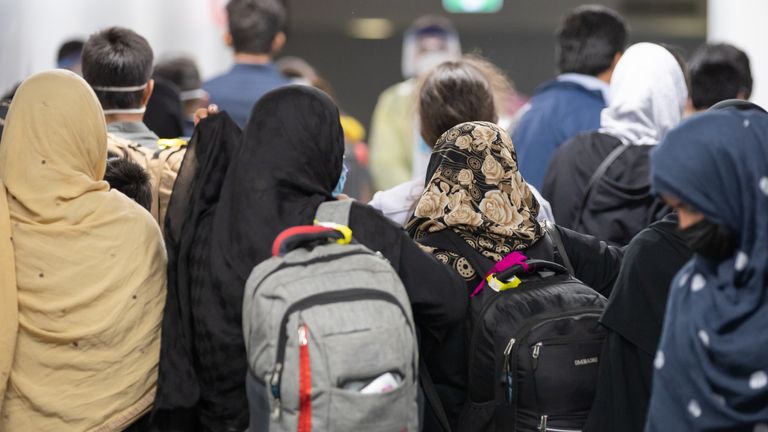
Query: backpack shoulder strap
{"x": 557, "y": 240}
{"x": 432, "y": 398}
{"x": 596, "y": 177}
{"x": 336, "y": 211}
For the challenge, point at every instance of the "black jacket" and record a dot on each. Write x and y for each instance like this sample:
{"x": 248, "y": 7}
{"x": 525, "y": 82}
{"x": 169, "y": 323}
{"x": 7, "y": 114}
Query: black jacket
{"x": 620, "y": 203}
{"x": 634, "y": 318}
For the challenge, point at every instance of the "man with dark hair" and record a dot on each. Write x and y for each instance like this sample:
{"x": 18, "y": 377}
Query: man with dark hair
{"x": 117, "y": 63}
{"x": 718, "y": 72}
{"x": 256, "y": 35}
{"x": 183, "y": 72}
{"x": 591, "y": 40}
{"x": 69, "y": 56}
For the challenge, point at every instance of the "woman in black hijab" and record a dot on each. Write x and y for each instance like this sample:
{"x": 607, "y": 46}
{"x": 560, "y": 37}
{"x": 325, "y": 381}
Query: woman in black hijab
{"x": 290, "y": 160}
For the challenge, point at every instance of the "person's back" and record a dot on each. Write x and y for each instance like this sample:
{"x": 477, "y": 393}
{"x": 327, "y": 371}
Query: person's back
{"x": 83, "y": 281}
{"x": 634, "y": 317}
{"x": 598, "y": 182}
{"x": 489, "y": 209}
{"x": 256, "y": 35}
{"x": 590, "y": 42}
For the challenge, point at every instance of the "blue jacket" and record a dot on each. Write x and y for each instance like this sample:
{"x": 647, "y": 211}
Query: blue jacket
{"x": 558, "y": 111}
{"x": 239, "y": 89}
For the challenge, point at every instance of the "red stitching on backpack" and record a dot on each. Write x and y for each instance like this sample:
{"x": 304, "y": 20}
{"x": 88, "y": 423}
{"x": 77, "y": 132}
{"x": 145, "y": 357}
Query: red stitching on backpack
{"x": 305, "y": 381}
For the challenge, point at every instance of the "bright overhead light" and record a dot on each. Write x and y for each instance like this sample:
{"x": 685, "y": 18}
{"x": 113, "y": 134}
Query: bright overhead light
{"x": 370, "y": 28}
{"x": 473, "y": 6}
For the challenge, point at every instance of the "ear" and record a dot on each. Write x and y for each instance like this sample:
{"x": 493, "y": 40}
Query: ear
{"x": 742, "y": 94}
{"x": 228, "y": 41}
{"x": 147, "y": 92}
{"x": 278, "y": 43}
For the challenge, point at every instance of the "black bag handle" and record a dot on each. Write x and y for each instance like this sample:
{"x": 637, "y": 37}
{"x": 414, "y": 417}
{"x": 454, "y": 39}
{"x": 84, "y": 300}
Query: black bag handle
{"x": 534, "y": 266}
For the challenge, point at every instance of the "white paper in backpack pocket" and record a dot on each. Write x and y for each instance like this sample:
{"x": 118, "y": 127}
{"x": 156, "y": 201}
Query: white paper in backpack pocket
{"x": 384, "y": 383}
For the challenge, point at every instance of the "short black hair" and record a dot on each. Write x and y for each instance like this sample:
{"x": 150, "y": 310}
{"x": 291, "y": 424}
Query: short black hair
{"x": 117, "y": 57}
{"x": 181, "y": 71}
{"x": 254, "y": 24}
{"x": 589, "y": 38}
{"x": 70, "y": 48}
{"x": 719, "y": 72}
{"x": 131, "y": 179}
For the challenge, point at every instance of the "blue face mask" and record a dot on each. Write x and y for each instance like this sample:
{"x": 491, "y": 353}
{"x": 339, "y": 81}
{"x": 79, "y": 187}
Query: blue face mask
{"x": 339, "y": 189}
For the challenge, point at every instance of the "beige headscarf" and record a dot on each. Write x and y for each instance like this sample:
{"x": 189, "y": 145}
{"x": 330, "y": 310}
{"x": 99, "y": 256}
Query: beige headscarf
{"x": 82, "y": 270}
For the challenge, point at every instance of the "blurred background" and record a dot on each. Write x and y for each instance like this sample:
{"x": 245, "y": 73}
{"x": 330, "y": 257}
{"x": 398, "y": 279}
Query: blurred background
{"x": 356, "y": 44}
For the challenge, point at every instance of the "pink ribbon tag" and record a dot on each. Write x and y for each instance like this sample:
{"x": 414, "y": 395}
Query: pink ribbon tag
{"x": 515, "y": 258}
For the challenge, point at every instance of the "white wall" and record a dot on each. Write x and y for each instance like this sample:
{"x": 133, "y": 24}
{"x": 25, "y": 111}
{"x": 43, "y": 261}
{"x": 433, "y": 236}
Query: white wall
{"x": 743, "y": 24}
{"x": 31, "y": 31}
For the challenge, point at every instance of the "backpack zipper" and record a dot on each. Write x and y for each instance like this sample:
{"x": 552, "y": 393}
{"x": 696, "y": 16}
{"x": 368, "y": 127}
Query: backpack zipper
{"x": 510, "y": 358}
{"x": 347, "y": 295}
{"x": 321, "y": 259}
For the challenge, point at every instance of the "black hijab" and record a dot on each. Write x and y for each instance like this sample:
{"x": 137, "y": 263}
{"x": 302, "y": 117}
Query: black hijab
{"x": 219, "y": 227}
{"x": 183, "y": 378}
{"x": 289, "y": 163}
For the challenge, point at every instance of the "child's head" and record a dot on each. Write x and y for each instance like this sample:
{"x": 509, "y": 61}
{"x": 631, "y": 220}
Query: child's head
{"x": 131, "y": 179}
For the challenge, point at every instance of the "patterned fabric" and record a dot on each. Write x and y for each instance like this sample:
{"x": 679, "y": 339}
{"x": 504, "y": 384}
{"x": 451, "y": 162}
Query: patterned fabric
{"x": 476, "y": 189}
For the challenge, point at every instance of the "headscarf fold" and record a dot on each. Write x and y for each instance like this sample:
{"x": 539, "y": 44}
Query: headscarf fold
{"x": 648, "y": 95}
{"x": 475, "y": 188}
{"x": 712, "y": 363}
{"x": 88, "y": 284}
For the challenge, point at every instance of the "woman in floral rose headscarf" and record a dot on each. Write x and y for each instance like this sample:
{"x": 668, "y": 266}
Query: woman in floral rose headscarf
{"x": 475, "y": 190}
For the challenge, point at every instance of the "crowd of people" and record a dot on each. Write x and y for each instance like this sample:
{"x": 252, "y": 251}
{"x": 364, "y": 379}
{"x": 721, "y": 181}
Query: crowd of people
{"x": 136, "y": 200}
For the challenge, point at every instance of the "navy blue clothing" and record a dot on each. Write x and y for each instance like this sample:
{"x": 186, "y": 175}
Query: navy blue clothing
{"x": 712, "y": 363}
{"x": 239, "y": 89}
{"x": 558, "y": 111}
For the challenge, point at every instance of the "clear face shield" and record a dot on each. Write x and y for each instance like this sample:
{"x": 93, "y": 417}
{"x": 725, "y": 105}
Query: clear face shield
{"x": 426, "y": 47}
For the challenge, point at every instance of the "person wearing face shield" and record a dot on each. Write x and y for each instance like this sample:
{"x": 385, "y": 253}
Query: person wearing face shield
{"x": 398, "y": 154}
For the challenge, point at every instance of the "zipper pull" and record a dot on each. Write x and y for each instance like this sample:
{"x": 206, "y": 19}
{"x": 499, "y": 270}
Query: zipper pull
{"x": 543, "y": 424}
{"x": 303, "y": 340}
{"x": 274, "y": 383}
{"x": 535, "y": 355}
{"x": 506, "y": 372}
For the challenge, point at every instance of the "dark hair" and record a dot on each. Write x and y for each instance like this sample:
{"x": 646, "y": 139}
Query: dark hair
{"x": 456, "y": 92}
{"x": 254, "y": 24}
{"x": 589, "y": 38}
{"x": 131, "y": 179}
{"x": 70, "y": 48}
{"x": 181, "y": 71}
{"x": 117, "y": 57}
{"x": 719, "y": 72}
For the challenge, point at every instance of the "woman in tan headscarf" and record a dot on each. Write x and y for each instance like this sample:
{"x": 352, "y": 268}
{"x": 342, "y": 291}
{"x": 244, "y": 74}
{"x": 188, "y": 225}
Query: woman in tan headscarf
{"x": 82, "y": 270}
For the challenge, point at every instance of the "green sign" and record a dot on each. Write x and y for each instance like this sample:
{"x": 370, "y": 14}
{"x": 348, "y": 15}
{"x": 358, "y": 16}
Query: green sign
{"x": 473, "y": 6}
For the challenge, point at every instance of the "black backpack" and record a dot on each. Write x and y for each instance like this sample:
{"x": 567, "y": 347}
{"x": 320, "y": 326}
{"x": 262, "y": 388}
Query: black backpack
{"x": 534, "y": 350}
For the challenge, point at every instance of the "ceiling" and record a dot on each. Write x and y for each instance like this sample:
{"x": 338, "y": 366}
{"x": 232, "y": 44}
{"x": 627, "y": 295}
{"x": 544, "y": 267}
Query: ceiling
{"x": 675, "y": 18}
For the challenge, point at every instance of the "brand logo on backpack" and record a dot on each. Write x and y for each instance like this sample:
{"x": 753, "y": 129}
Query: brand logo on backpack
{"x": 585, "y": 361}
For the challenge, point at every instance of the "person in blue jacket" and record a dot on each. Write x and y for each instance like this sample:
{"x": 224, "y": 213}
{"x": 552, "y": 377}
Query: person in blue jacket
{"x": 591, "y": 40}
{"x": 256, "y": 34}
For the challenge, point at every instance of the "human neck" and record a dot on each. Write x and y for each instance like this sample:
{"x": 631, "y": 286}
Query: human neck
{"x": 255, "y": 59}
{"x": 605, "y": 76}
{"x": 124, "y": 118}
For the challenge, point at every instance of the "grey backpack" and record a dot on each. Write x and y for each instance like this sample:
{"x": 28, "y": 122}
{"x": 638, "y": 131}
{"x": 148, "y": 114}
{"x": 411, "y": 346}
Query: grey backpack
{"x": 329, "y": 335}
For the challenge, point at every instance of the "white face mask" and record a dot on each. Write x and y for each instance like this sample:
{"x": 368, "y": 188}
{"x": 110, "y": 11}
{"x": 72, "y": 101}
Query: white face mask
{"x": 122, "y": 89}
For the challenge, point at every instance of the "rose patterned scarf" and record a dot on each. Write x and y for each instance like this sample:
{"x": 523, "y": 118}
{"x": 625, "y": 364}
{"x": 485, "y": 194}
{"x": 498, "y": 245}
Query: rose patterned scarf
{"x": 475, "y": 189}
